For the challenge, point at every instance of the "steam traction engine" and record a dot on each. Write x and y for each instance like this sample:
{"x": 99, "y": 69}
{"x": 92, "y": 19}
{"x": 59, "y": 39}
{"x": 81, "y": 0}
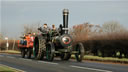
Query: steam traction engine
{"x": 58, "y": 45}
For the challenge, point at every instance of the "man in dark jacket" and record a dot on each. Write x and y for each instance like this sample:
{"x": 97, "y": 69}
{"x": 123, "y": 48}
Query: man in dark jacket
{"x": 45, "y": 29}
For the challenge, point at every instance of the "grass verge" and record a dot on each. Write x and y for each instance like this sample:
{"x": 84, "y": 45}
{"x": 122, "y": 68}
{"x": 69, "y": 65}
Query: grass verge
{"x": 10, "y": 51}
{"x": 104, "y": 59}
{"x": 4, "y": 68}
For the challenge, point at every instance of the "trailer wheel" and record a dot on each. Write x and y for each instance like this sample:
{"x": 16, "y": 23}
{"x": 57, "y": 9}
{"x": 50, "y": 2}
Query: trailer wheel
{"x": 29, "y": 53}
{"x": 38, "y": 49}
{"x": 65, "y": 56}
{"x": 23, "y": 52}
{"x": 80, "y": 49}
{"x": 50, "y": 50}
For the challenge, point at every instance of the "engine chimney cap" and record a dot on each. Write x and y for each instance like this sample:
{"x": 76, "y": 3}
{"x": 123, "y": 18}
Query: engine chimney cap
{"x": 65, "y": 11}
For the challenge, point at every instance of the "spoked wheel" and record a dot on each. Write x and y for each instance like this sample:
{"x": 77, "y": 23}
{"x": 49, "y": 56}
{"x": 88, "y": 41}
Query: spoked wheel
{"x": 39, "y": 45}
{"x": 50, "y": 50}
{"x": 29, "y": 53}
{"x": 65, "y": 56}
{"x": 80, "y": 52}
{"x": 23, "y": 52}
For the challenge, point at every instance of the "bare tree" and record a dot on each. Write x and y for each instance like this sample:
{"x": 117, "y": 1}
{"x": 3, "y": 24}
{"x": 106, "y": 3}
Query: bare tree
{"x": 80, "y": 32}
{"x": 30, "y": 28}
{"x": 1, "y": 36}
{"x": 112, "y": 26}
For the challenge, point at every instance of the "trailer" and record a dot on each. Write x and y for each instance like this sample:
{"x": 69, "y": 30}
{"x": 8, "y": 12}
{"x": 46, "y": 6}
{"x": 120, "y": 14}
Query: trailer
{"x": 26, "y": 45}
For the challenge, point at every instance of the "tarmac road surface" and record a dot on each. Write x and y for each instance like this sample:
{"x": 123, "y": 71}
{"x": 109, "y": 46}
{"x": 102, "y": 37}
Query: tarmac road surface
{"x": 31, "y": 65}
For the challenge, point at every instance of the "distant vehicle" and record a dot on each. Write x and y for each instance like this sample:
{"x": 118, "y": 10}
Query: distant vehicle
{"x": 59, "y": 43}
{"x": 26, "y": 45}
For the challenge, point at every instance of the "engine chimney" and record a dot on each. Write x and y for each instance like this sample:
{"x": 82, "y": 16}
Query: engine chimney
{"x": 65, "y": 21}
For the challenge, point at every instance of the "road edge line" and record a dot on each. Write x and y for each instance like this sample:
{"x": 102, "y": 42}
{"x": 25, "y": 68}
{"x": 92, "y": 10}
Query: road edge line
{"x": 48, "y": 62}
{"x": 94, "y": 69}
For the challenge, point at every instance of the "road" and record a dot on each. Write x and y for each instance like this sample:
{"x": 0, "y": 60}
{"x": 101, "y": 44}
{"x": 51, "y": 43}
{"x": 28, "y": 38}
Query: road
{"x": 31, "y": 65}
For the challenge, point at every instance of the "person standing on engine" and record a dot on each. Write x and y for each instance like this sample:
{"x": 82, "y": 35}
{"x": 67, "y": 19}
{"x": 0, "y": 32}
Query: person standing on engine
{"x": 53, "y": 27}
{"x": 45, "y": 29}
{"x": 54, "y": 30}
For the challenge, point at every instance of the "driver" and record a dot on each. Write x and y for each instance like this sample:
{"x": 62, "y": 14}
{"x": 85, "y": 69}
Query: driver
{"x": 53, "y": 27}
{"x": 54, "y": 30}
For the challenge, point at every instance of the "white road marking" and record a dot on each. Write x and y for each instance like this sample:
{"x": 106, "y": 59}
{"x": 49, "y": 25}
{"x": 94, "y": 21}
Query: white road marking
{"x": 17, "y": 70}
{"x": 10, "y": 57}
{"x": 25, "y": 59}
{"x": 100, "y": 70}
{"x": 48, "y": 62}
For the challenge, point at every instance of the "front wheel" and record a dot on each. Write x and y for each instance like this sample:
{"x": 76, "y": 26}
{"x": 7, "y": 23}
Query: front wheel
{"x": 23, "y": 52}
{"x": 80, "y": 52}
{"x": 29, "y": 53}
{"x": 38, "y": 49}
{"x": 50, "y": 50}
{"x": 65, "y": 56}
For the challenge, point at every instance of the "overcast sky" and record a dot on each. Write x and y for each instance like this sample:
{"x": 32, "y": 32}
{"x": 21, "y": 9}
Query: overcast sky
{"x": 14, "y": 14}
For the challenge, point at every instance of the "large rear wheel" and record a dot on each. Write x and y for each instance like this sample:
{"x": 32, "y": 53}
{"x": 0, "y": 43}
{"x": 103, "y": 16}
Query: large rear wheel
{"x": 50, "y": 50}
{"x": 80, "y": 52}
{"x": 39, "y": 47}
